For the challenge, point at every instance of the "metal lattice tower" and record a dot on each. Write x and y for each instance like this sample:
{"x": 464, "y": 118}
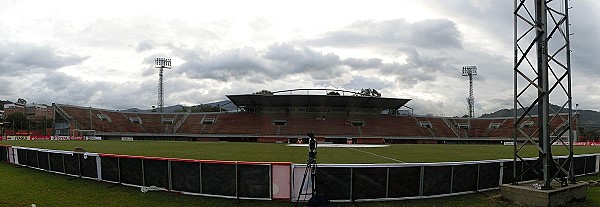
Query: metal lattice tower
{"x": 161, "y": 64}
{"x": 470, "y": 71}
{"x": 542, "y": 75}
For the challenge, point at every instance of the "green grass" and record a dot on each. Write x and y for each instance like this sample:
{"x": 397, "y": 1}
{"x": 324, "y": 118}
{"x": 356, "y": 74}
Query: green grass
{"x": 22, "y": 186}
{"x": 263, "y": 152}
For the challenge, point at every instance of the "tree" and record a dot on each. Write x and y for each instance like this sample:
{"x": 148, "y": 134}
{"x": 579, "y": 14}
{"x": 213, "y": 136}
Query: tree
{"x": 264, "y": 92}
{"x": 202, "y": 108}
{"x": 21, "y": 101}
{"x": 369, "y": 92}
{"x": 18, "y": 121}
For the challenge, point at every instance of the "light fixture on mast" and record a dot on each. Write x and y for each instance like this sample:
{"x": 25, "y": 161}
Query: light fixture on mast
{"x": 161, "y": 64}
{"x": 470, "y": 71}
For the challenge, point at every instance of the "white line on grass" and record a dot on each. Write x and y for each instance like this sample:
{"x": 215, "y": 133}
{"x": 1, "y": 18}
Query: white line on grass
{"x": 376, "y": 155}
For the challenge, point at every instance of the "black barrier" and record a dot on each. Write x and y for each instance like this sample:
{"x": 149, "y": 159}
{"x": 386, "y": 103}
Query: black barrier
{"x": 3, "y": 153}
{"x": 71, "y": 163}
{"x": 373, "y": 183}
{"x": 535, "y": 170}
{"x": 464, "y": 178}
{"x": 185, "y": 176}
{"x": 218, "y": 179}
{"x": 88, "y": 166}
{"x": 110, "y": 168}
{"x": 436, "y": 180}
{"x": 131, "y": 171}
{"x": 22, "y": 156}
{"x": 56, "y": 162}
{"x": 254, "y": 181}
{"x": 507, "y": 172}
{"x": 32, "y": 158}
{"x": 590, "y": 164}
{"x": 489, "y": 175}
{"x": 156, "y": 173}
{"x": 334, "y": 182}
{"x": 579, "y": 165}
{"x": 43, "y": 160}
{"x": 404, "y": 182}
{"x": 357, "y": 182}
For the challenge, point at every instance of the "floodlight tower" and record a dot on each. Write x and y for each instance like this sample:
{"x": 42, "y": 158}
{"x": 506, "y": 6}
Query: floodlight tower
{"x": 470, "y": 71}
{"x": 161, "y": 64}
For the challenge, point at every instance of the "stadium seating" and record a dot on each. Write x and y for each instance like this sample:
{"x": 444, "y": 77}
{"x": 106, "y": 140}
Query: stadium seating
{"x": 389, "y": 125}
{"x": 285, "y": 125}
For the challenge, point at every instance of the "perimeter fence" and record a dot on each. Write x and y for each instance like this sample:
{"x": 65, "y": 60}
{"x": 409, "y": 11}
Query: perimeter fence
{"x": 230, "y": 179}
{"x": 282, "y": 180}
{"x": 374, "y": 182}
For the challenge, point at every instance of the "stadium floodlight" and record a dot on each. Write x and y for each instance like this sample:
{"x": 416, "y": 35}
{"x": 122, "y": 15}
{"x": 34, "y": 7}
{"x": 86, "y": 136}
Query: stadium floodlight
{"x": 161, "y": 64}
{"x": 470, "y": 71}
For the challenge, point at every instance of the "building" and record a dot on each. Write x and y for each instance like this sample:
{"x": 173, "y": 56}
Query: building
{"x": 287, "y": 116}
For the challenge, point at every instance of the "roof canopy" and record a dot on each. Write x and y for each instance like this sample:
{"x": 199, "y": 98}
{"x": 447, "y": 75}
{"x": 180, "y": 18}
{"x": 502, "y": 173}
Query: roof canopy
{"x": 259, "y": 100}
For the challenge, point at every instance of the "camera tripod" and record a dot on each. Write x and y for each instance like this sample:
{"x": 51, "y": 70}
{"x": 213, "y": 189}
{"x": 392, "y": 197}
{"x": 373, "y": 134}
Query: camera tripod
{"x": 317, "y": 198}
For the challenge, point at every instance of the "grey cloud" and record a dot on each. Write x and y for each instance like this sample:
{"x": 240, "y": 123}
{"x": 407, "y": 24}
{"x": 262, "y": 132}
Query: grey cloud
{"x": 584, "y": 42}
{"x": 23, "y": 57}
{"x": 300, "y": 60}
{"x": 59, "y": 87}
{"x": 276, "y": 61}
{"x": 360, "y": 82}
{"x": 407, "y": 76}
{"x": 227, "y": 65}
{"x": 432, "y": 33}
{"x": 366, "y": 33}
{"x": 9, "y": 86}
{"x": 144, "y": 45}
{"x": 438, "y": 62}
{"x": 357, "y": 63}
{"x": 259, "y": 24}
{"x": 435, "y": 33}
{"x": 412, "y": 55}
{"x": 428, "y": 107}
{"x": 495, "y": 18}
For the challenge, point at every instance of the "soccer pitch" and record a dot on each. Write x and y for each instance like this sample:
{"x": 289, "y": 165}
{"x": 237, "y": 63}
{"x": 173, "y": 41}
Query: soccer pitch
{"x": 268, "y": 152}
{"x": 24, "y": 186}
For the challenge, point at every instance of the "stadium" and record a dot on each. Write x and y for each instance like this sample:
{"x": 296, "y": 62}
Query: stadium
{"x": 353, "y": 119}
{"x": 251, "y": 152}
{"x": 335, "y": 116}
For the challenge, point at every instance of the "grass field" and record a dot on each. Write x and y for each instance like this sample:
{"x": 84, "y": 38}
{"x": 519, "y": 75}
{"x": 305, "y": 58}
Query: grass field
{"x": 22, "y": 186}
{"x": 281, "y": 153}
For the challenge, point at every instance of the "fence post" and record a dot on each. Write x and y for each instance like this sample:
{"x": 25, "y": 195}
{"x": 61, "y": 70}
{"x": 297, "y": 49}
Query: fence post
{"x": 421, "y": 180}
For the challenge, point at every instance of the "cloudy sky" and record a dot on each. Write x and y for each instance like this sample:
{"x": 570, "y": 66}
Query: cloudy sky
{"x": 101, "y": 53}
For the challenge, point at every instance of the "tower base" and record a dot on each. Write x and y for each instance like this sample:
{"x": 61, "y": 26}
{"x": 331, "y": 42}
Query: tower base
{"x": 525, "y": 193}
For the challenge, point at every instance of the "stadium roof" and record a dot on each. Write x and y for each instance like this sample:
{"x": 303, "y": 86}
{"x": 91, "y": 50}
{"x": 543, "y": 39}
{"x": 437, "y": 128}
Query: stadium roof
{"x": 261, "y": 100}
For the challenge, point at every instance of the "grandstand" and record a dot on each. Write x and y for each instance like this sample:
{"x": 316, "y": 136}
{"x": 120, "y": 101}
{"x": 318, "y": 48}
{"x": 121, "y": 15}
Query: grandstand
{"x": 286, "y": 117}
